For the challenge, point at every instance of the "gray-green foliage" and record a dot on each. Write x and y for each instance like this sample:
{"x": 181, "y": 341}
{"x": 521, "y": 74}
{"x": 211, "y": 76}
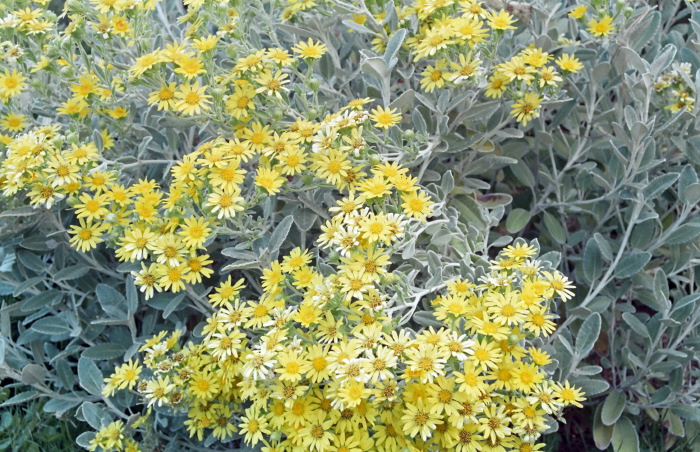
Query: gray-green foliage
{"x": 611, "y": 183}
{"x": 605, "y": 180}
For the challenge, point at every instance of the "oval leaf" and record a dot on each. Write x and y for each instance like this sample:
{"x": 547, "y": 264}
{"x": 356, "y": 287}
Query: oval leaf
{"x": 632, "y": 264}
{"x": 588, "y": 334}
{"x": 517, "y": 219}
{"x": 613, "y": 407}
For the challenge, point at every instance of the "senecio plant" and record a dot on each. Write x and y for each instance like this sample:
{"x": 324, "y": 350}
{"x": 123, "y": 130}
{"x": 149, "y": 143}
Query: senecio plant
{"x": 222, "y": 224}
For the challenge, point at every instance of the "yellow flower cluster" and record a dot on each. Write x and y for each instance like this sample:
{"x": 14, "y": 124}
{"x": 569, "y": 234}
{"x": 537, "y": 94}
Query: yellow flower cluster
{"x": 315, "y": 361}
{"x": 316, "y": 364}
{"x": 527, "y": 77}
{"x": 600, "y": 26}
{"x": 677, "y": 92}
{"x": 113, "y": 437}
{"x": 458, "y": 35}
{"x": 163, "y": 230}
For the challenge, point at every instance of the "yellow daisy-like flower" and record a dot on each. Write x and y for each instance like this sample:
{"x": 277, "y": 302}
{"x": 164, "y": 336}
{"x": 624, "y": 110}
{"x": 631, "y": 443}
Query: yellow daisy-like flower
{"x": 569, "y": 395}
{"x": 311, "y": 50}
{"x": 74, "y": 106}
{"x": 526, "y": 108}
{"x": 253, "y": 426}
{"x": 497, "y": 85}
{"x": 226, "y": 203}
{"x": 194, "y": 232}
{"x": 87, "y": 235}
{"x": 13, "y": 122}
{"x": 385, "y": 118}
{"x": 272, "y": 84}
{"x": 569, "y": 63}
{"x": 434, "y": 77}
{"x": 417, "y": 205}
{"x": 269, "y": 179}
{"x": 420, "y": 420}
{"x": 191, "y": 99}
{"x": 164, "y": 97}
{"x": 204, "y": 385}
{"x": 279, "y": 56}
{"x": 500, "y": 21}
{"x": 11, "y": 83}
{"x": 206, "y": 43}
{"x": 517, "y": 69}
{"x": 549, "y": 77}
{"x": 578, "y": 12}
{"x": 436, "y": 39}
{"x": 190, "y": 67}
{"x": 146, "y": 62}
{"x": 602, "y": 27}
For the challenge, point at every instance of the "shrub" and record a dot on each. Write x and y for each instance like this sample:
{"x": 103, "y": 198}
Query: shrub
{"x": 282, "y": 224}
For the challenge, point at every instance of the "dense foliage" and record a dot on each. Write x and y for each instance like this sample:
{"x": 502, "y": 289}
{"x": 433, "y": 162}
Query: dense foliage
{"x": 289, "y": 226}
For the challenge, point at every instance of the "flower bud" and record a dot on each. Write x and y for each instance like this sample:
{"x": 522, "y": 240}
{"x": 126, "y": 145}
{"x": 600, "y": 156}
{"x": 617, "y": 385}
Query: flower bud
{"x": 217, "y": 94}
{"x": 314, "y": 84}
{"x": 67, "y": 72}
{"x": 72, "y": 138}
{"x": 409, "y": 134}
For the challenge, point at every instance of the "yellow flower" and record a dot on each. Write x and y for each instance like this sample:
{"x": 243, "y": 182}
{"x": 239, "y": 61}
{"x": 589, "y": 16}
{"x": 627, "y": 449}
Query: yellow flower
{"x": 602, "y": 27}
{"x": 191, "y": 99}
{"x": 495, "y": 422}
{"x": 241, "y": 102}
{"x": 520, "y": 251}
{"x": 253, "y": 426}
{"x": 146, "y": 62}
{"x": 173, "y": 277}
{"x": 92, "y": 207}
{"x": 272, "y": 84}
{"x": 311, "y": 50}
{"x": 578, "y": 12}
{"x": 466, "y": 69}
{"x": 190, "y": 67}
{"x": 291, "y": 366}
{"x": 87, "y": 235}
{"x": 164, "y": 97}
{"x": 569, "y": 63}
{"x": 517, "y": 69}
{"x": 434, "y": 77}
{"x": 226, "y": 203}
{"x": 11, "y": 83}
{"x": 549, "y": 77}
{"x": 526, "y": 108}
{"x": 436, "y": 39}
{"x": 417, "y": 205}
{"x": 569, "y": 395}
{"x": 203, "y": 385}
{"x": 279, "y": 56}
{"x": 194, "y": 232}
{"x": 147, "y": 280}
{"x": 269, "y": 179}
{"x": 385, "y": 118}
{"x": 206, "y": 43}
{"x": 73, "y": 106}
{"x": 501, "y": 21}
{"x": 497, "y": 85}
{"x": 418, "y": 419}
{"x": 136, "y": 244}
